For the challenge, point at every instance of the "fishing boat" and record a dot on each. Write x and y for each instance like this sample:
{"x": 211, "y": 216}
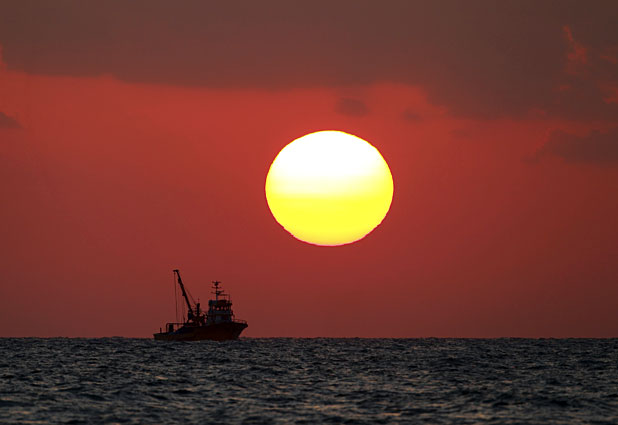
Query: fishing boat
{"x": 217, "y": 324}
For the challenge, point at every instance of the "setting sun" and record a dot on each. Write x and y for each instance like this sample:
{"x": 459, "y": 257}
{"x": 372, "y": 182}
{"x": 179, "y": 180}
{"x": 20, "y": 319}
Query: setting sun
{"x": 329, "y": 188}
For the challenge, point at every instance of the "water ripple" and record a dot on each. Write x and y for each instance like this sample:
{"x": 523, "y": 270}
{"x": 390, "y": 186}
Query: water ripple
{"x": 306, "y": 381}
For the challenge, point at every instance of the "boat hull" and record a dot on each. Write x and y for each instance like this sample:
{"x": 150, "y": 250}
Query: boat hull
{"x": 212, "y": 332}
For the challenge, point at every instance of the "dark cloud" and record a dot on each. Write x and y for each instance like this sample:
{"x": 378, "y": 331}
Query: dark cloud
{"x": 478, "y": 58}
{"x": 8, "y": 122}
{"x": 410, "y": 115}
{"x": 596, "y": 147}
{"x": 459, "y": 133}
{"x": 351, "y": 107}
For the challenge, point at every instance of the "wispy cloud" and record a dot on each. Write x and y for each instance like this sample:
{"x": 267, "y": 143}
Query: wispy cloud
{"x": 411, "y": 116}
{"x": 351, "y": 107}
{"x": 596, "y": 147}
{"x": 8, "y": 122}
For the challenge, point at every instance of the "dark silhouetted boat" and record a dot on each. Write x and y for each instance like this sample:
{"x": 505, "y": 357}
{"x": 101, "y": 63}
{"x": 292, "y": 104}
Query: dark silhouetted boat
{"x": 217, "y": 324}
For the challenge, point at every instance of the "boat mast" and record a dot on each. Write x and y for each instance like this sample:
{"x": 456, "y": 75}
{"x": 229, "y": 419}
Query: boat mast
{"x": 184, "y": 294}
{"x": 217, "y": 291}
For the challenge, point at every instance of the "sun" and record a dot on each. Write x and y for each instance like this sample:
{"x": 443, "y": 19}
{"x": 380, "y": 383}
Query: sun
{"x": 329, "y": 188}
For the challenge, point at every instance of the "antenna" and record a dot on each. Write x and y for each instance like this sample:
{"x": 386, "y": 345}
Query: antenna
{"x": 217, "y": 291}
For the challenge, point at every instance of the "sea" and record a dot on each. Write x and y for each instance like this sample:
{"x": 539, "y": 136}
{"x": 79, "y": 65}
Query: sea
{"x": 309, "y": 381}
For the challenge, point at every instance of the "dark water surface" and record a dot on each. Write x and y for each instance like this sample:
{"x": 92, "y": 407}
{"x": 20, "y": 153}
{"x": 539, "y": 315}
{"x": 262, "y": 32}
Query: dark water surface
{"x": 279, "y": 380}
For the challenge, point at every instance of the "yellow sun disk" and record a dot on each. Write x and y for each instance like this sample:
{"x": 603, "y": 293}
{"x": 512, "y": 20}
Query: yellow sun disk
{"x": 329, "y": 188}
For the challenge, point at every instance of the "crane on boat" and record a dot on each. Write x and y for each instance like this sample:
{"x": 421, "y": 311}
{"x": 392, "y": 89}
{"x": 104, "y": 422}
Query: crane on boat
{"x": 191, "y": 314}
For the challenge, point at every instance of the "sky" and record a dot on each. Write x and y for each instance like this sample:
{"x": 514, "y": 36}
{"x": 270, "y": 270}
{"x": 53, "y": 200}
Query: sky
{"x": 135, "y": 138}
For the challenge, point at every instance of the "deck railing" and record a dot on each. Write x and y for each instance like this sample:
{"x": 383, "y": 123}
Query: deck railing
{"x": 178, "y": 325}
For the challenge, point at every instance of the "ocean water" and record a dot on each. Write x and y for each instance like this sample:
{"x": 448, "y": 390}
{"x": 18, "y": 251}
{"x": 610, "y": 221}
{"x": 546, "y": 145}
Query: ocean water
{"x": 309, "y": 381}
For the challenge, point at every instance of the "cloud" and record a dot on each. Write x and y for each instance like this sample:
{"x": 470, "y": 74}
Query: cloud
{"x": 479, "y": 58}
{"x": 577, "y": 55}
{"x": 411, "y": 116}
{"x": 459, "y": 133}
{"x": 8, "y": 122}
{"x": 351, "y": 107}
{"x": 596, "y": 147}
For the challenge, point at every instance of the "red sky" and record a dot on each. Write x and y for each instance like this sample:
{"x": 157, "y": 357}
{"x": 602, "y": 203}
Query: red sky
{"x": 136, "y": 138}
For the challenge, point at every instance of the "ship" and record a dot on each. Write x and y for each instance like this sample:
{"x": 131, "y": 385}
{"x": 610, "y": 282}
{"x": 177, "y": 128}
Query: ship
{"x": 217, "y": 324}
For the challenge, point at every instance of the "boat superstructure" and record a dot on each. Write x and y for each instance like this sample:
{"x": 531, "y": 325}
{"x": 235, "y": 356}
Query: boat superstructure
{"x": 218, "y": 323}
